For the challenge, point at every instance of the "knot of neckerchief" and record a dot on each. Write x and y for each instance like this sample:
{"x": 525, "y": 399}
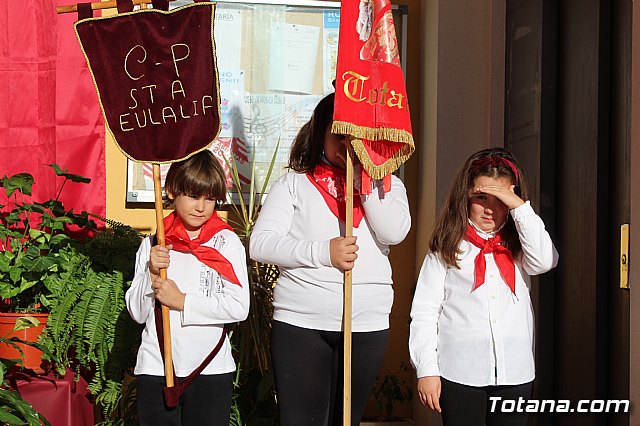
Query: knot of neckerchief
{"x": 176, "y": 234}
{"x": 501, "y": 254}
{"x": 331, "y": 182}
{"x": 495, "y": 161}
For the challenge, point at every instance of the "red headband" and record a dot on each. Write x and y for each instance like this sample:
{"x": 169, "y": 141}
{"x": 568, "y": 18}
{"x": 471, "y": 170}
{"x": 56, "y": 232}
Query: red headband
{"x": 494, "y": 161}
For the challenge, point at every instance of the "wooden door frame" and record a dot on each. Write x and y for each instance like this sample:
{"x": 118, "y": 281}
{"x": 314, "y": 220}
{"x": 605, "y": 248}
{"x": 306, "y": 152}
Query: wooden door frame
{"x": 634, "y": 240}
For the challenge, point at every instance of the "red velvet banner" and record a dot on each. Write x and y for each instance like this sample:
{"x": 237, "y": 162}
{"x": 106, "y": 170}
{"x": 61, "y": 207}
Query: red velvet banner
{"x": 156, "y": 77}
{"x": 371, "y": 99}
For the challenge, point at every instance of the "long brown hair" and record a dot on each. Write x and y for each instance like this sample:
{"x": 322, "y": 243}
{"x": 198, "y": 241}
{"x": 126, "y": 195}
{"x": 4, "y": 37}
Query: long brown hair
{"x": 308, "y": 146}
{"x": 451, "y": 226}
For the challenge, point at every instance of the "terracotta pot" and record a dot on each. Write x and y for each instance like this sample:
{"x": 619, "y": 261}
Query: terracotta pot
{"x": 32, "y": 356}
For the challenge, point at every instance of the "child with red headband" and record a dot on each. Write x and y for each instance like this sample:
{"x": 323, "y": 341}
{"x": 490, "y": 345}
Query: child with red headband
{"x": 471, "y": 334}
{"x": 206, "y": 288}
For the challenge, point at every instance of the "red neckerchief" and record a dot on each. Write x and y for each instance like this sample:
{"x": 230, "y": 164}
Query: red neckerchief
{"x": 332, "y": 184}
{"x": 176, "y": 234}
{"x": 501, "y": 254}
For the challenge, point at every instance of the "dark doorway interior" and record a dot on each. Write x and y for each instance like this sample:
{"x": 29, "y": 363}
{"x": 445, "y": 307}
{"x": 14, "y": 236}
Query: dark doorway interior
{"x": 567, "y": 119}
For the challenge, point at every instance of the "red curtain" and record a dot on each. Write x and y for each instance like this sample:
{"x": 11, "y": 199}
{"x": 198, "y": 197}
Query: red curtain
{"x": 49, "y": 111}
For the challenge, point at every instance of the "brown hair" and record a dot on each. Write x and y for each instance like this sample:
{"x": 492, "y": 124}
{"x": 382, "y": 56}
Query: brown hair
{"x": 308, "y": 146}
{"x": 200, "y": 175}
{"x": 451, "y": 226}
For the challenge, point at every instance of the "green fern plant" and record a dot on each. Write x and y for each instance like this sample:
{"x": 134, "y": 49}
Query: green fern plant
{"x": 89, "y": 329}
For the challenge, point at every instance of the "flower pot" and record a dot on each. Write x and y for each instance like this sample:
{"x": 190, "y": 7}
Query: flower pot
{"x": 32, "y": 356}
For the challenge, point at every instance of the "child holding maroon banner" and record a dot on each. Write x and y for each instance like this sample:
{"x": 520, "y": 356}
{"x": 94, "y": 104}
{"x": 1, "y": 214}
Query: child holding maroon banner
{"x": 300, "y": 229}
{"x": 471, "y": 335}
{"x": 206, "y": 288}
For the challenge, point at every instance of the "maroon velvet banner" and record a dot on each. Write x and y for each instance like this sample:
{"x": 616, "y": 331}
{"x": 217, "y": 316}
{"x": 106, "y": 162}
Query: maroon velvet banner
{"x": 157, "y": 81}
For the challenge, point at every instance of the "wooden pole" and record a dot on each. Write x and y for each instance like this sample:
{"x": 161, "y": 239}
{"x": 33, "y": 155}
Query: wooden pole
{"x": 166, "y": 324}
{"x": 346, "y": 320}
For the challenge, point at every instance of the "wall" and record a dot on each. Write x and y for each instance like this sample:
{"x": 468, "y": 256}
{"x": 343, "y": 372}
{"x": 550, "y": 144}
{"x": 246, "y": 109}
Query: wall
{"x": 462, "y": 104}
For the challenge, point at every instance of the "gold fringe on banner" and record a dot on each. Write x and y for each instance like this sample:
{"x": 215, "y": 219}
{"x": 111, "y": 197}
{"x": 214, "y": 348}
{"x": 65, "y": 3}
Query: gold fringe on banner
{"x": 377, "y": 171}
{"x": 372, "y": 134}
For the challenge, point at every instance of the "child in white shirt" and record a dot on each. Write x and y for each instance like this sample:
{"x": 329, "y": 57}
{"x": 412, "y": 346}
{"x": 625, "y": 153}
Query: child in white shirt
{"x": 206, "y": 288}
{"x": 471, "y": 333}
{"x": 300, "y": 229}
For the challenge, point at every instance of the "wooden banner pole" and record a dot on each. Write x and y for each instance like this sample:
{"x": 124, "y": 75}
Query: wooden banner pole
{"x": 346, "y": 320}
{"x": 166, "y": 324}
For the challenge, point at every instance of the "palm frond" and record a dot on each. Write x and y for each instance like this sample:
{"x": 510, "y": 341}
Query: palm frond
{"x": 254, "y": 399}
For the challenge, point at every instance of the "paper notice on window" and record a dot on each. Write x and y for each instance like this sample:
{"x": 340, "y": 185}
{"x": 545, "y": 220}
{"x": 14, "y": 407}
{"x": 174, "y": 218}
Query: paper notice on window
{"x": 227, "y": 33}
{"x": 295, "y": 48}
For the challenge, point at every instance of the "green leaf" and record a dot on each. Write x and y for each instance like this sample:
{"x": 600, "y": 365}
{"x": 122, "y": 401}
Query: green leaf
{"x": 70, "y": 176}
{"x": 32, "y": 252}
{"x": 37, "y": 234}
{"x": 7, "y": 256}
{"x": 15, "y": 274}
{"x": 266, "y": 179}
{"x": 9, "y": 419}
{"x": 39, "y": 264}
{"x": 34, "y": 207}
{"x": 53, "y": 205}
{"x": 14, "y": 216}
{"x": 8, "y": 291}
{"x": 22, "y": 182}
{"x": 23, "y": 323}
{"x": 235, "y": 177}
{"x": 4, "y": 367}
{"x": 58, "y": 238}
{"x": 5, "y": 260}
{"x": 18, "y": 406}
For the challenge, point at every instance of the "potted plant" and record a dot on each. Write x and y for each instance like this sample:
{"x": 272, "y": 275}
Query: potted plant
{"x": 34, "y": 248}
{"x": 389, "y": 390}
{"x": 13, "y": 409}
{"x": 58, "y": 263}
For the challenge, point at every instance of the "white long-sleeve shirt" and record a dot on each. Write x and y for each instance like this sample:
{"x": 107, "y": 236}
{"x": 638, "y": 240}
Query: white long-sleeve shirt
{"x": 211, "y": 301}
{"x": 293, "y": 231}
{"x": 484, "y": 337}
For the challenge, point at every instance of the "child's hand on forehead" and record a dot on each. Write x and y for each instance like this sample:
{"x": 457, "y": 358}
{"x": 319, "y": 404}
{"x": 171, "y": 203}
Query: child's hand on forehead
{"x": 505, "y": 194}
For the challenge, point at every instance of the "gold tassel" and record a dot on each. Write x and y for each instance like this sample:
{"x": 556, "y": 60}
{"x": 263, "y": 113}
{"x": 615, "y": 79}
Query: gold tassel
{"x": 379, "y": 171}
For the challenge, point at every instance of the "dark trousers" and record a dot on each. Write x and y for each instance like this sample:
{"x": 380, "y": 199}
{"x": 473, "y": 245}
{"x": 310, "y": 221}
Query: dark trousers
{"x": 207, "y": 401}
{"x": 307, "y": 366}
{"x": 464, "y": 405}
